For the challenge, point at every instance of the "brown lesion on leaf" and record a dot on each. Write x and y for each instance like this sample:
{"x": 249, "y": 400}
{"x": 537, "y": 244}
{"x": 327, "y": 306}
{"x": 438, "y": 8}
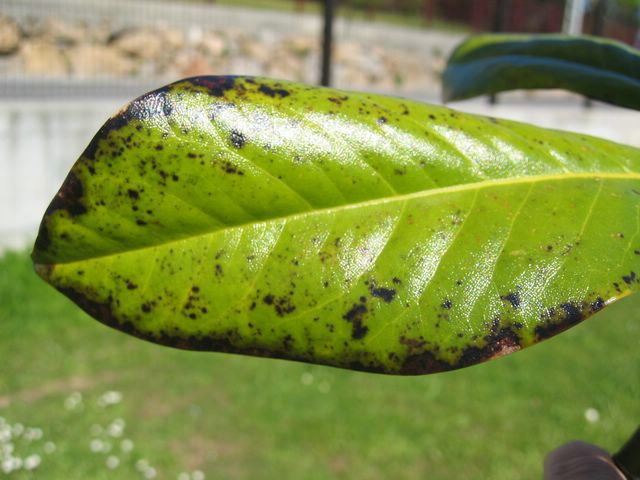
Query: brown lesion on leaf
{"x": 216, "y": 86}
{"x": 557, "y": 319}
{"x": 69, "y": 197}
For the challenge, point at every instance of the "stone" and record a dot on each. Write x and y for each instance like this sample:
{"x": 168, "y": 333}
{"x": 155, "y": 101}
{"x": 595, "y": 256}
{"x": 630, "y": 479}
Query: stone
{"x": 141, "y": 43}
{"x": 90, "y": 60}
{"x": 42, "y": 58}
{"x": 256, "y": 50}
{"x": 99, "y": 32}
{"x": 9, "y": 36}
{"x": 174, "y": 38}
{"x": 284, "y": 65}
{"x": 62, "y": 33}
{"x": 213, "y": 44}
{"x": 302, "y": 46}
{"x": 190, "y": 62}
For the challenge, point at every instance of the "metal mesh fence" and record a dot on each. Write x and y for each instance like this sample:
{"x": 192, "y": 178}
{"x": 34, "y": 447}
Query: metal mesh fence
{"x": 117, "y": 47}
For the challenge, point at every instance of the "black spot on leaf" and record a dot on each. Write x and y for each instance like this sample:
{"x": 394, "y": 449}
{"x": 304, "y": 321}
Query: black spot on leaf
{"x": 216, "y": 86}
{"x": 273, "y": 92}
{"x": 629, "y": 279}
{"x": 386, "y": 294}
{"x": 355, "y": 316}
{"x": 513, "y": 298}
{"x": 237, "y": 139}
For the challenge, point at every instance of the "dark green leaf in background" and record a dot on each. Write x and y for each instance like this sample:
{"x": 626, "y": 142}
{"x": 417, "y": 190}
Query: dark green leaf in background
{"x": 277, "y": 219}
{"x": 597, "y": 68}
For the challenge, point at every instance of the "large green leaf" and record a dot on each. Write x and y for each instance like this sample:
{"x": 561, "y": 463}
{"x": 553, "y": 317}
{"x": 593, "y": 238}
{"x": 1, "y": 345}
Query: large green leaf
{"x": 598, "y": 68}
{"x": 277, "y": 219}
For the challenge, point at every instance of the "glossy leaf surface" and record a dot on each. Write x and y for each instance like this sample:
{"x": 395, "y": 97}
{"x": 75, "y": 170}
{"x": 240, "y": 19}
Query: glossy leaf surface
{"x": 598, "y": 68}
{"x": 272, "y": 218}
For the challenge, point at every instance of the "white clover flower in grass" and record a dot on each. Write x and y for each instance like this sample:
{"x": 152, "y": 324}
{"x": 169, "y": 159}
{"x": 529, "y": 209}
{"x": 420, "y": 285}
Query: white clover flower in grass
{"x": 73, "y": 401}
{"x": 126, "y": 445}
{"x": 184, "y": 476}
{"x": 591, "y": 415}
{"x": 142, "y": 465}
{"x": 197, "y": 475}
{"x": 306, "y": 378}
{"x": 32, "y": 462}
{"x": 7, "y": 466}
{"x": 17, "y": 463}
{"x": 49, "y": 448}
{"x": 116, "y": 428}
{"x": 17, "y": 430}
{"x": 31, "y": 434}
{"x": 150, "y": 473}
{"x": 5, "y": 434}
{"x": 112, "y": 462}
{"x": 111, "y": 397}
{"x": 7, "y": 449}
{"x": 96, "y": 445}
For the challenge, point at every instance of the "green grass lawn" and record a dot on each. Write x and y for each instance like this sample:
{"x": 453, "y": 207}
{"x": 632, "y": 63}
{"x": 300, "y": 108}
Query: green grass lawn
{"x": 246, "y": 418}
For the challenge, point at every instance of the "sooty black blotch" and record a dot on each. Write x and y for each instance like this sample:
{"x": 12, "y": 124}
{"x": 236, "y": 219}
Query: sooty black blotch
{"x": 69, "y": 197}
{"x": 282, "y": 305}
{"x": 513, "y": 298}
{"x": 355, "y": 316}
{"x": 273, "y": 92}
{"x": 386, "y": 294}
{"x": 237, "y": 139}
{"x": 629, "y": 279}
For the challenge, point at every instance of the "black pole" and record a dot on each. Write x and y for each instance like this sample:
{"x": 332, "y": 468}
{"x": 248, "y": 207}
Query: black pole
{"x": 327, "y": 41}
{"x": 500, "y": 24}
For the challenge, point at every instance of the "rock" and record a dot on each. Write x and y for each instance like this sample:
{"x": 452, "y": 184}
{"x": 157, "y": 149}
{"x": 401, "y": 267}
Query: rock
{"x": 42, "y": 58}
{"x": 214, "y": 44}
{"x": 302, "y": 46}
{"x": 9, "y": 36}
{"x": 348, "y": 52}
{"x": 194, "y": 35}
{"x": 174, "y": 38}
{"x": 191, "y": 62}
{"x": 90, "y": 60}
{"x": 256, "y": 50}
{"x": 99, "y": 32}
{"x": 246, "y": 66}
{"x": 141, "y": 43}
{"x": 62, "y": 33}
{"x": 284, "y": 65}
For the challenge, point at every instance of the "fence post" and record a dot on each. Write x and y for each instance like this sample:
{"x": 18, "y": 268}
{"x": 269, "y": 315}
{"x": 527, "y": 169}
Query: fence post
{"x": 327, "y": 42}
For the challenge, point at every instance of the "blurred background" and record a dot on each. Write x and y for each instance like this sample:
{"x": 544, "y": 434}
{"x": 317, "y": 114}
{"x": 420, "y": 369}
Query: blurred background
{"x": 80, "y": 401}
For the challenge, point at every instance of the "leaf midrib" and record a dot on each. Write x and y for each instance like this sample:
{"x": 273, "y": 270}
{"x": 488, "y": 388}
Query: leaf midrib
{"x": 379, "y": 201}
